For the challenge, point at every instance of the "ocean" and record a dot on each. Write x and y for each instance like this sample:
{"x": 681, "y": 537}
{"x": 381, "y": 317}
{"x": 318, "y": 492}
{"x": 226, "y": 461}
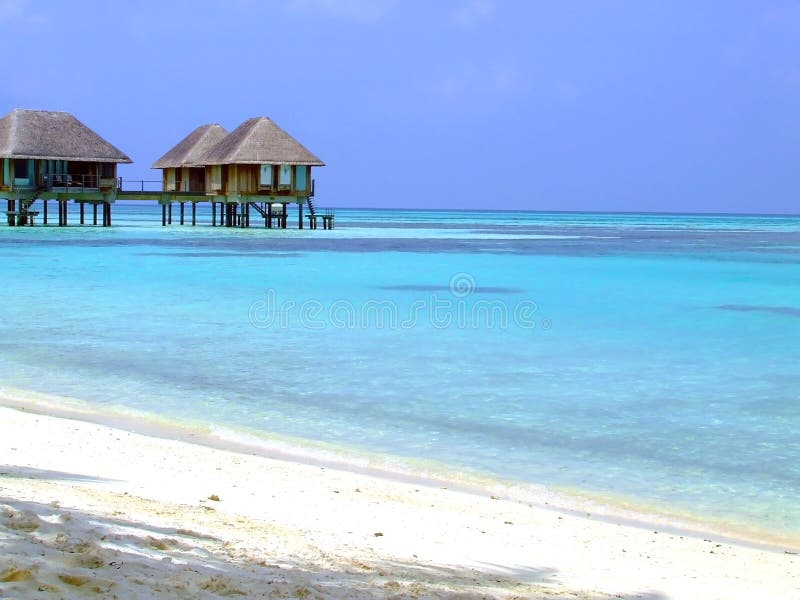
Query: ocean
{"x": 648, "y": 362}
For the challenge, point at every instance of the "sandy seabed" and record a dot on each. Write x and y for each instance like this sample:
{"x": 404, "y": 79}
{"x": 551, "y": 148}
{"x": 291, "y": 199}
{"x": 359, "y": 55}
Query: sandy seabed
{"x": 93, "y": 511}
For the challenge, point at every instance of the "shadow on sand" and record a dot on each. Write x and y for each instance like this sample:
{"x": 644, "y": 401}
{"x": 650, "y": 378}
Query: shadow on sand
{"x": 51, "y": 551}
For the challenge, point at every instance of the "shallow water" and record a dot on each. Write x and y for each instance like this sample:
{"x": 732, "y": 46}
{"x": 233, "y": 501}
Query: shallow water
{"x": 650, "y": 358}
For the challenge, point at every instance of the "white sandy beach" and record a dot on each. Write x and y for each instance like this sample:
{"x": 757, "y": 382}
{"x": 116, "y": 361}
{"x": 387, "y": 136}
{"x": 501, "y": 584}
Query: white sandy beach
{"x": 89, "y": 510}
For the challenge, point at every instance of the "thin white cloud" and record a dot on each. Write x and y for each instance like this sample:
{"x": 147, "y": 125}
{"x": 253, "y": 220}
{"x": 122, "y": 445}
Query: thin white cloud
{"x": 470, "y": 14}
{"x": 493, "y": 80}
{"x": 21, "y": 11}
{"x": 354, "y": 10}
{"x": 505, "y": 79}
{"x": 12, "y": 9}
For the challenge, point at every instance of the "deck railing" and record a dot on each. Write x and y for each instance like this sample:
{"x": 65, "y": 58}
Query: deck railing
{"x": 139, "y": 185}
{"x": 73, "y": 182}
{"x": 191, "y": 187}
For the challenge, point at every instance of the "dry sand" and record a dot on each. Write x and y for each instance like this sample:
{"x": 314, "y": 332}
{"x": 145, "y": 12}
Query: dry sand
{"x": 88, "y": 510}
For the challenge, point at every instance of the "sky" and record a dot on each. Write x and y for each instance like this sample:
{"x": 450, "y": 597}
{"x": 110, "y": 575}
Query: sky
{"x": 595, "y": 105}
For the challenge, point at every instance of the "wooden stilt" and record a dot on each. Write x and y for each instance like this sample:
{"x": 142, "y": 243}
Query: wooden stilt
{"x": 163, "y": 215}
{"x": 299, "y": 215}
{"x": 169, "y": 214}
{"x": 285, "y": 216}
{"x": 182, "y": 212}
{"x": 213, "y": 214}
{"x": 82, "y": 204}
{"x": 194, "y": 214}
{"x": 94, "y": 213}
{"x": 45, "y": 212}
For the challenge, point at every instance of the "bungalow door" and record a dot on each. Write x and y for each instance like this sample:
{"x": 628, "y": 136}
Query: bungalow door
{"x": 24, "y": 172}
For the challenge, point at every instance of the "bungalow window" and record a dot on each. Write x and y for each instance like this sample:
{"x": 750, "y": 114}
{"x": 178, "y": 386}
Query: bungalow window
{"x": 265, "y": 180}
{"x": 215, "y": 178}
{"x": 301, "y": 178}
{"x": 285, "y": 180}
{"x": 107, "y": 170}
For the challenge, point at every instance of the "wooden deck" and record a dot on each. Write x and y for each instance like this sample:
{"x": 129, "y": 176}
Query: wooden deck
{"x": 228, "y": 210}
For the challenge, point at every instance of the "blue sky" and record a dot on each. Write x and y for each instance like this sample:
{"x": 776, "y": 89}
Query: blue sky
{"x": 562, "y": 105}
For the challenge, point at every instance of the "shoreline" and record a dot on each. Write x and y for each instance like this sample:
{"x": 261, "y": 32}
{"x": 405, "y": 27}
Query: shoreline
{"x": 85, "y": 504}
{"x": 575, "y": 502}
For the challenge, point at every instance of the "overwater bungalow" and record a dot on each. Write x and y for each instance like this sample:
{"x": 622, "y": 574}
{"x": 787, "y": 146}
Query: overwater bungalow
{"x": 182, "y": 166}
{"x": 258, "y": 165}
{"x": 51, "y": 155}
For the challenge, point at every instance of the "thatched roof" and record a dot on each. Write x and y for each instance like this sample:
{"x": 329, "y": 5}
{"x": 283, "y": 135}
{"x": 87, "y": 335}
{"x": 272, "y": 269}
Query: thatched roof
{"x": 190, "y": 150}
{"x": 43, "y": 134}
{"x": 260, "y": 141}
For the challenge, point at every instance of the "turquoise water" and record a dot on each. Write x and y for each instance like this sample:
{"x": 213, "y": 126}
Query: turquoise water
{"x": 650, "y": 359}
